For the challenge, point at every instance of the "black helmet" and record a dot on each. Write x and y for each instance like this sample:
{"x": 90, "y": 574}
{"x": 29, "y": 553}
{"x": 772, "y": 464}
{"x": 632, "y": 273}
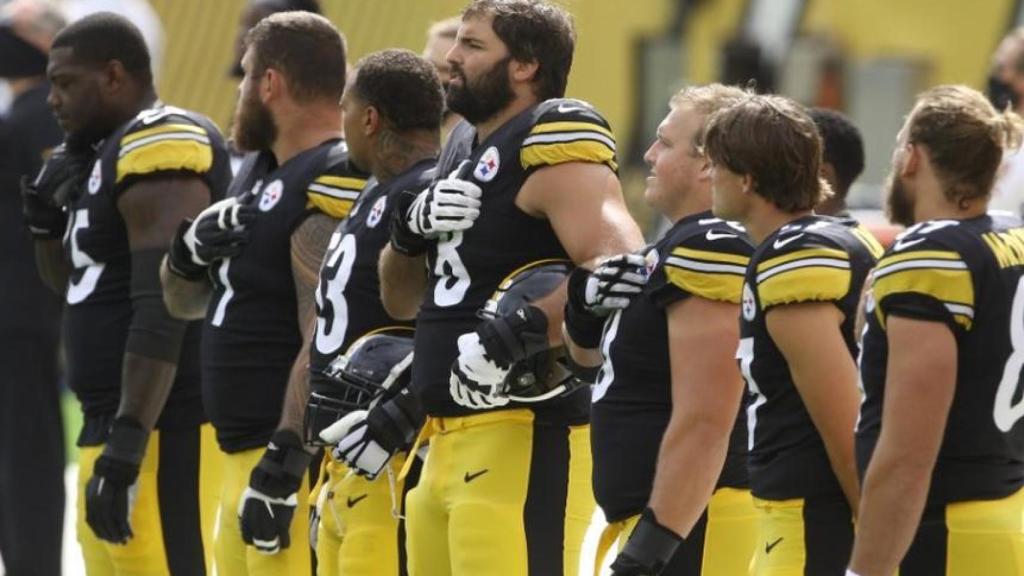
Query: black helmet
{"x": 545, "y": 374}
{"x": 375, "y": 365}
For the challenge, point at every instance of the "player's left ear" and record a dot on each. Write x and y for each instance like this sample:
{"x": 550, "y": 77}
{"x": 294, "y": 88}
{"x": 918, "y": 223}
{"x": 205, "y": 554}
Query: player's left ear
{"x": 113, "y": 76}
{"x": 748, "y": 183}
{"x": 272, "y": 85}
{"x": 912, "y": 158}
{"x": 523, "y": 71}
{"x": 371, "y": 121}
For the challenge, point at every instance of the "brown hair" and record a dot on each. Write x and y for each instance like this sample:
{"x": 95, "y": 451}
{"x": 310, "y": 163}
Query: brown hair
{"x": 533, "y": 31}
{"x": 306, "y": 48}
{"x": 706, "y": 100}
{"x": 775, "y": 141}
{"x": 965, "y": 137}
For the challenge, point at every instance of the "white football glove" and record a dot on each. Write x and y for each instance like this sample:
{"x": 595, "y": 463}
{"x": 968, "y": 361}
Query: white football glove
{"x": 615, "y": 282}
{"x": 476, "y": 381}
{"x": 450, "y": 205}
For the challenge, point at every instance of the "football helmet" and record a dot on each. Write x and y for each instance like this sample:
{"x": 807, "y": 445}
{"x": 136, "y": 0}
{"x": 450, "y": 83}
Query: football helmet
{"x": 546, "y": 374}
{"x": 375, "y": 367}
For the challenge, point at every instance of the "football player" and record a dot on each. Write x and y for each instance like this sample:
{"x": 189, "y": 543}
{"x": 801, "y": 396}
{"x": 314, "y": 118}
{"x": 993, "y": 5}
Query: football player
{"x": 939, "y": 432}
{"x": 440, "y": 39}
{"x": 261, "y": 289}
{"x": 669, "y": 449}
{"x": 529, "y": 176}
{"x": 392, "y": 113}
{"x": 797, "y": 344}
{"x": 131, "y": 169}
{"x": 842, "y": 158}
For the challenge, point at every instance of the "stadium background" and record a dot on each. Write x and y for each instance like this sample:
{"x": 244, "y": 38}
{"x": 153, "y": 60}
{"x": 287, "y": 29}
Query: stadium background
{"x": 865, "y": 57}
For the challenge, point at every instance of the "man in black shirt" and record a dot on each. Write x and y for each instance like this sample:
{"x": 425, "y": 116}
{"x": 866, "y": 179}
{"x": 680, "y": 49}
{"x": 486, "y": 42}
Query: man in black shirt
{"x": 31, "y": 436}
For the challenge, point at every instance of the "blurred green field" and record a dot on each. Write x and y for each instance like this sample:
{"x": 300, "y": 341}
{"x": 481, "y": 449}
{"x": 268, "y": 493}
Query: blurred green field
{"x": 72, "y": 424}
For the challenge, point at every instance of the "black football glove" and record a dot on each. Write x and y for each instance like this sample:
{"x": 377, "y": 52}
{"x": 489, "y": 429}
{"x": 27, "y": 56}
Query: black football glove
{"x": 514, "y": 337}
{"x": 220, "y": 231}
{"x": 45, "y": 197}
{"x": 387, "y": 428}
{"x": 267, "y": 505}
{"x": 110, "y": 493}
{"x": 592, "y": 296}
{"x": 649, "y": 549}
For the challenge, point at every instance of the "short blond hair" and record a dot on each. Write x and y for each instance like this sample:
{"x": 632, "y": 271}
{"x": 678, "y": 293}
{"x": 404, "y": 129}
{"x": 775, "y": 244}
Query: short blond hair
{"x": 706, "y": 99}
{"x": 447, "y": 28}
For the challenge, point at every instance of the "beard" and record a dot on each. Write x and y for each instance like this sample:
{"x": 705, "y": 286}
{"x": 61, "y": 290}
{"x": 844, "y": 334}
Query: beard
{"x": 482, "y": 99}
{"x": 83, "y": 140}
{"x": 899, "y": 206}
{"x": 254, "y": 127}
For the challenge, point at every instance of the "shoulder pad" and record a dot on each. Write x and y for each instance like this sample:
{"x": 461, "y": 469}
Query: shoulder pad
{"x": 802, "y": 265}
{"x": 336, "y": 189}
{"x": 163, "y": 139}
{"x": 709, "y": 259}
{"x": 566, "y": 130}
{"x": 926, "y": 261}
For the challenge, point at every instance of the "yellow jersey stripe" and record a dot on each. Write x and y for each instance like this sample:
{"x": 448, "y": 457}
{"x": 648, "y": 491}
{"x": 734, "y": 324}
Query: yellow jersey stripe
{"x": 161, "y": 129}
{"x": 346, "y": 182}
{"x": 869, "y": 241}
{"x": 951, "y": 286}
{"x": 919, "y": 255}
{"x": 719, "y": 287}
{"x": 568, "y": 126}
{"x": 560, "y": 153}
{"x": 166, "y": 155}
{"x": 332, "y": 207}
{"x": 800, "y": 254}
{"x": 710, "y": 256}
{"x": 804, "y": 284}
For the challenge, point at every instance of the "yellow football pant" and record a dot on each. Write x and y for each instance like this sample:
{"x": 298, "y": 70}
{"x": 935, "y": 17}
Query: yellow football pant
{"x": 968, "y": 538}
{"x": 233, "y": 556}
{"x": 173, "y": 515}
{"x": 359, "y": 532}
{"x": 721, "y": 544}
{"x": 798, "y": 537}
{"x": 500, "y": 495}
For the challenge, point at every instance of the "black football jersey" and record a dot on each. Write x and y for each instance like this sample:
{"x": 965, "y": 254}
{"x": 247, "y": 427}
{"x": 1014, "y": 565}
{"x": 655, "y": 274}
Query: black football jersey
{"x": 158, "y": 141}
{"x": 812, "y": 259}
{"x": 967, "y": 274}
{"x": 348, "y": 304}
{"x": 464, "y": 268}
{"x": 632, "y": 401}
{"x": 251, "y": 335}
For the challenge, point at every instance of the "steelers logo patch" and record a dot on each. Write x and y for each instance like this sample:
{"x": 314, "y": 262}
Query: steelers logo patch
{"x": 487, "y": 168}
{"x": 377, "y": 212}
{"x": 749, "y": 307}
{"x": 271, "y": 195}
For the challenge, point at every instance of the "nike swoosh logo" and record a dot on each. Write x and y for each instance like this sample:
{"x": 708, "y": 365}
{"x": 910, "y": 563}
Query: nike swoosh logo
{"x": 353, "y": 501}
{"x": 769, "y": 547}
{"x": 565, "y": 108}
{"x": 779, "y": 243}
{"x": 712, "y": 235}
{"x": 901, "y": 244}
{"x": 470, "y": 477}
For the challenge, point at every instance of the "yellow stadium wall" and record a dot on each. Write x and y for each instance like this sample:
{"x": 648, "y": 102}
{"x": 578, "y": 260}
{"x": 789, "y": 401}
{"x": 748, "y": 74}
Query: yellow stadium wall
{"x": 200, "y": 36}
